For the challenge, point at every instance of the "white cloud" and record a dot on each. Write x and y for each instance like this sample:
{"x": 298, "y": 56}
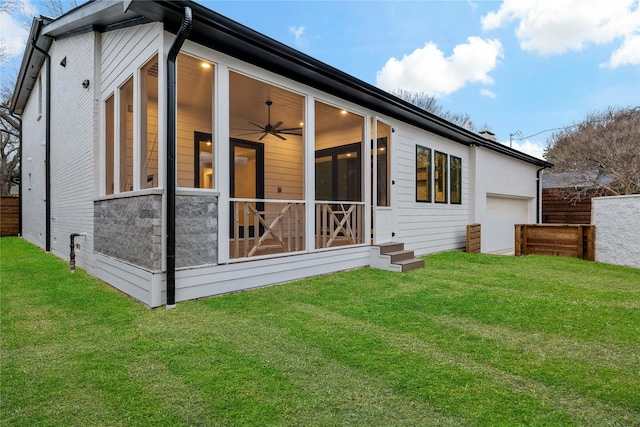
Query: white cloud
{"x": 300, "y": 41}
{"x": 14, "y": 22}
{"x": 12, "y": 35}
{"x": 531, "y": 148}
{"x": 627, "y": 54}
{"x": 556, "y": 26}
{"x": 488, "y": 93}
{"x": 428, "y": 70}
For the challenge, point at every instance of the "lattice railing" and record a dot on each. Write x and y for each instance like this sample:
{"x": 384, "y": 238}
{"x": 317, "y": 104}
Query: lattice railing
{"x": 339, "y": 224}
{"x": 264, "y": 227}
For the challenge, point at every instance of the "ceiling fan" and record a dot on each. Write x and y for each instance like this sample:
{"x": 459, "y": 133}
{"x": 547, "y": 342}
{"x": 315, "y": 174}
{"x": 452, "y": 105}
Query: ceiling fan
{"x": 270, "y": 129}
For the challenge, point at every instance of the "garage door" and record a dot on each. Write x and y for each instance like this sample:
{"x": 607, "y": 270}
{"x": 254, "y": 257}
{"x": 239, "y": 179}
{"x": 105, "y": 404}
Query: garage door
{"x": 502, "y": 214}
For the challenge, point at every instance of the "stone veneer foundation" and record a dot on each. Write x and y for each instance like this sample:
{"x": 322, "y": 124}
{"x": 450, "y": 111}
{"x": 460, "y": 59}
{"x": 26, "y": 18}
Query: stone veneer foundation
{"x": 129, "y": 228}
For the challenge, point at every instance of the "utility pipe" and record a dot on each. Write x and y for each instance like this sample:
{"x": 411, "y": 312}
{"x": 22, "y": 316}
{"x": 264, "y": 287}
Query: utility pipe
{"x": 538, "y": 196}
{"x": 47, "y": 156}
{"x": 184, "y": 31}
{"x": 72, "y": 252}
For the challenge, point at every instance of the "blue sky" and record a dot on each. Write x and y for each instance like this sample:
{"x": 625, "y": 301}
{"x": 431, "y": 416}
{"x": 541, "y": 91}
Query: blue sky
{"x": 515, "y": 65}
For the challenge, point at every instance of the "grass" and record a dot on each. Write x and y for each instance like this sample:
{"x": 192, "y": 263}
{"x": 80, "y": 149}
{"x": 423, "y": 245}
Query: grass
{"x": 469, "y": 340}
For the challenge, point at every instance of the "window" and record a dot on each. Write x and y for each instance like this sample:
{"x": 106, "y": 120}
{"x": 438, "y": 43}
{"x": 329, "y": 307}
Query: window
{"x": 195, "y": 123}
{"x": 126, "y": 136}
{"x": 109, "y": 144}
{"x": 440, "y": 177}
{"x": 338, "y": 147}
{"x": 203, "y": 160}
{"x": 455, "y": 168}
{"x": 382, "y": 154}
{"x": 338, "y": 173}
{"x": 149, "y": 124}
{"x": 423, "y": 174}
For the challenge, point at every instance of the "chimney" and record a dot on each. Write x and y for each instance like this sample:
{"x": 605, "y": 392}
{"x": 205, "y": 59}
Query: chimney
{"x": 487, "y": 134}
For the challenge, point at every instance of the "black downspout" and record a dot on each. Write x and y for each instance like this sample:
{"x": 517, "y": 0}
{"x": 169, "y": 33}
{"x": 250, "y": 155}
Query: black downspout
{"x": 538, "y": 193}
{"x": 47, "y": 156}
{"x": 184, "y": 31}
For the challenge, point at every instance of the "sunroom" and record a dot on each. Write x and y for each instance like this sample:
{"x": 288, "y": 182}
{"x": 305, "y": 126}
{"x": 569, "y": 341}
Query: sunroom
{"x": 263, "y": 168}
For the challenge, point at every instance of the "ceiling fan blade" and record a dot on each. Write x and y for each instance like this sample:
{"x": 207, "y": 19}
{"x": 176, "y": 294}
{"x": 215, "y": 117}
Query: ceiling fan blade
{"x": 274, "y": 127}
{"x": 265, "y": 134}
{"x": 257, "y": 125}
{"x": 290, "y": 130}
{"x": 249, "y": 133}
{"x": 289, "y": 133}
{"x": 279, "y": 136}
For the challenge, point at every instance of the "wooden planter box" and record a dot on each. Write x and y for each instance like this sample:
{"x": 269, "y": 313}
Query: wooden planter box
{"x": 473, "y": 239}
{"x": 568, "y": 240}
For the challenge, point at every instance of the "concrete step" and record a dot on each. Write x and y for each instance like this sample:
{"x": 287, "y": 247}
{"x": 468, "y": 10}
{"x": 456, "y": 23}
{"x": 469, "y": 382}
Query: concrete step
{"x": 411, "y": 264}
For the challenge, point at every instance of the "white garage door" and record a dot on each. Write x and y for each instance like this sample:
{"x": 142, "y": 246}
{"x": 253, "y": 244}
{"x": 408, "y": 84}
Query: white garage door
{"x": 502, "y": 214}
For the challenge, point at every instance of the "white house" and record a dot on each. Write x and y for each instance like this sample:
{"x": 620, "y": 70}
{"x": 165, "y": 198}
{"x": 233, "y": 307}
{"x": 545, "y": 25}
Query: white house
{"x": 195, "y": 156}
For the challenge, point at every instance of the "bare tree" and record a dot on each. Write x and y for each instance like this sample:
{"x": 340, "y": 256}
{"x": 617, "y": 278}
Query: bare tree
{"x": 430, "y": 104}
{"x": 9, "y": 143}
{"x": 602, "y": 152}
{"x": 10, "y": 125}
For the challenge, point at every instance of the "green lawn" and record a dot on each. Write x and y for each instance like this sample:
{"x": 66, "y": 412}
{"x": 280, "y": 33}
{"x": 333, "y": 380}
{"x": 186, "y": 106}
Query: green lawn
{"x": 468, "y": 340}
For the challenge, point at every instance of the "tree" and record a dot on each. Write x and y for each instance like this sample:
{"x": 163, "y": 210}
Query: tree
{"x": 9, "y": 143}
{"x": 430, "y": 104}
{"x": 602, "y": 151}
{"x": 10, "y": 125}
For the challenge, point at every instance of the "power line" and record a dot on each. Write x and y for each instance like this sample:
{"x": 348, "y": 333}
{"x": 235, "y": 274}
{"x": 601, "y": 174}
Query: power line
{"x": 547, "y": 130}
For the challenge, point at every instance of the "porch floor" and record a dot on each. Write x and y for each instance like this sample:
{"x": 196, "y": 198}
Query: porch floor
{"x": 273, "y": 246}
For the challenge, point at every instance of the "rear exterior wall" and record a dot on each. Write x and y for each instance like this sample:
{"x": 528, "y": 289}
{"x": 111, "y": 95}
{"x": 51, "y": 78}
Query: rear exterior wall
{"x": 426, "y": 227}
{"x": 74, "y": 142}
{"x": 33, "y": 164}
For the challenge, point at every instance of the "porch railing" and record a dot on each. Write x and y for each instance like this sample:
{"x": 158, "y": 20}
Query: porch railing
{"x": 264, "y": 227}
{"x": 339, "y": 224}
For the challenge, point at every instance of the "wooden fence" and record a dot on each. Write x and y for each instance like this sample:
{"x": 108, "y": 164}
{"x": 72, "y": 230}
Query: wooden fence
{"x": 9, "y": 215}
{"x": 568, "y": 240}
{"x": 473, "y": 239}
{"x": 557, "y": 210}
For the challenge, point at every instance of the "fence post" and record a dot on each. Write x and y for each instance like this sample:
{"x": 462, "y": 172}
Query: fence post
{"x": 590, "y": 238}
{"x": 517, "y": 250}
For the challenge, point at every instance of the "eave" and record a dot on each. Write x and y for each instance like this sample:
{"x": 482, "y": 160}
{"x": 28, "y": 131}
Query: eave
{"x": 32, "y": 61}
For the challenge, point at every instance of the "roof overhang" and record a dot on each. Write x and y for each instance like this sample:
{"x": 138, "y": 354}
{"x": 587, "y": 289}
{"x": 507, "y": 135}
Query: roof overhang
{"x": 30, "y": 67}
{"x": 231, "y": 38}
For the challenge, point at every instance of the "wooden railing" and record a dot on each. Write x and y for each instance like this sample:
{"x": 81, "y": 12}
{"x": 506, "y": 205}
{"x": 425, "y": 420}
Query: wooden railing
{"x": 339, "y": 224}
{"x": 264, "y": 227}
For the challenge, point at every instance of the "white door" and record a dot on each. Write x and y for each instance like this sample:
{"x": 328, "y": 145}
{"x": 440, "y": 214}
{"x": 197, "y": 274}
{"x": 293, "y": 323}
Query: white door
{"x": 502, "y": 215}
{"x": 381, "y": 182}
